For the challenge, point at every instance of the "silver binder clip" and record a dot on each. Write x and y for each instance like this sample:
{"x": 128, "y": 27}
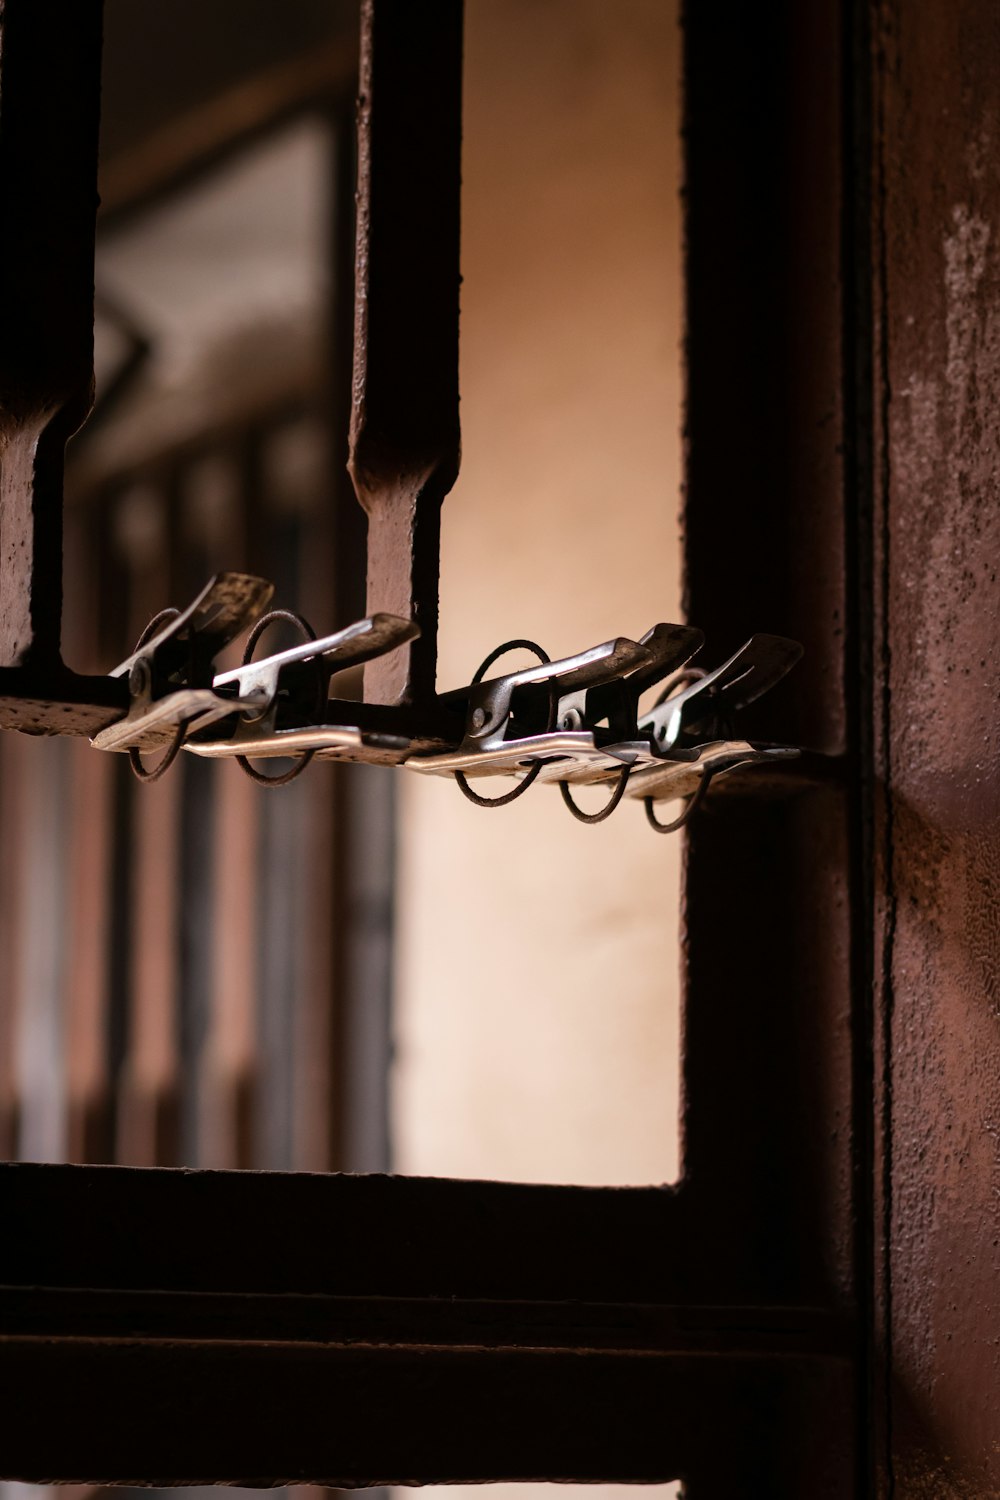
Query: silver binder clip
{"x": 680, "y": 777}
{"x": 286, "y": 696}
{"x": 170, "y": 673}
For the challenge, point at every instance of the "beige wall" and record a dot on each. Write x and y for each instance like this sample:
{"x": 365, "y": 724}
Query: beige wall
{"x": 536, "y": 1006}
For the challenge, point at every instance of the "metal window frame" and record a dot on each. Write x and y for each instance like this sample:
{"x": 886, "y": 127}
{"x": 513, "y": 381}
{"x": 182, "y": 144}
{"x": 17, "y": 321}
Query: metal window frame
{"x": 413, "y": 1330}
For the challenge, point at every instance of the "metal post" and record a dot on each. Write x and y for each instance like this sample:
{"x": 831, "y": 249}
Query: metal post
{"x": 404, "y": 452}
{"x": 50, "y": 75}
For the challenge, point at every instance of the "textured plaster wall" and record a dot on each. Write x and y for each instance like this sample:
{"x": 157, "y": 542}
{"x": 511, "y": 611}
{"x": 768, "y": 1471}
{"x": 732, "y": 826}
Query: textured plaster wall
{"x": 536, "y": 1024}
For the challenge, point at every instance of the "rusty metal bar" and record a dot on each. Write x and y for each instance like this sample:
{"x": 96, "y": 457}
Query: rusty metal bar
{"x": 49, "y": 90}
{"x": 404, "y": 446}
{"x": 261, "y": 1413}
{"x": 936, "y": 772}
{"x": 50, "y": 56}
{"x": 772, "y": 1035}
{"x": 352, "y": 1359}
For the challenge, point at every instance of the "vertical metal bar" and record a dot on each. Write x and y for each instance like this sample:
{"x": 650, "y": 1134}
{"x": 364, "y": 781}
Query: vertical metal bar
{"x": 365, "y": 972}
{"x": 404, "y": 417}
{"x": 89, "y": 860}
{"x": 228, "y": 1076}
{"x": 89, "y": 1133}
{"x": 227, "y": 1092}
{"x": 148, "y": 1108}
{"x": 148, "y": 1119}
{"x": 40, "y": 1048}
{"x": 49, "y": 107}
{"x": 768, "y": 1045}
{"x": 936, "y": 261}
{"x": 12, "y": 835}
{"x": 362, "y": 864}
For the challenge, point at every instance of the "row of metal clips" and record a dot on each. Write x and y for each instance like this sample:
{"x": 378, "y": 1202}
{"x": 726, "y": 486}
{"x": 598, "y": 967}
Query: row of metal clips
{"x": 577, "y": 721}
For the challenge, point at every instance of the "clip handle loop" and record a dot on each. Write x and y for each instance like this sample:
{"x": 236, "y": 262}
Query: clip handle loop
{"x": 607, "y": 809}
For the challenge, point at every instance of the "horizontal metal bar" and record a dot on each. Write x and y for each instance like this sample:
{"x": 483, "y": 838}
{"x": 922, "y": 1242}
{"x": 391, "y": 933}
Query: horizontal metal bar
{"x": 57, "y": 701}
{"x": 181, "y": 1327}
{"x": 182, "y": 1413}
{"x": 436, "y": 1323}
{"x": 157, "y": 1228}
{"x": 212, "y": 1232}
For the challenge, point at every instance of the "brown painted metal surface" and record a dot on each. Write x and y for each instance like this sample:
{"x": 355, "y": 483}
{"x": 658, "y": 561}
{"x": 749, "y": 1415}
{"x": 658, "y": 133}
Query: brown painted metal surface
{"x": 938, "y": 383}
{"x": 48, "y": 154}
{"x": 49, "y": 92}
{"x": 479, "y": 1330}
{"x": 346, "y": 1416}
{"x": 404, "y": 414}
{"x": 843, "y": 278}
{"x": 769, "y": 1123}
{"x": 266, "y": 1327}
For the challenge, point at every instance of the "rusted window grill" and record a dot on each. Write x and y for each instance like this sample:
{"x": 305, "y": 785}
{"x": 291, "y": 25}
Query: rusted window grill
{"x": 475, "y": 1330}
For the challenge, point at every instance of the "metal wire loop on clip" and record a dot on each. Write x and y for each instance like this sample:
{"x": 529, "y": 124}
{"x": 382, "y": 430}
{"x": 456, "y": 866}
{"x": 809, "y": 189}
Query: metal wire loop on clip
{"x": 607, "y": 810}
{"x": 522, "y": 787}
{"x": 271, "y": 618}
{"x": 690, "y": 808}
{"x": 686, "y": 677}
{"x": 139, "y": 771}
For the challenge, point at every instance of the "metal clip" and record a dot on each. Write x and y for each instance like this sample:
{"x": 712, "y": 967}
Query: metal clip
{"x": 286, "y": 695}
{"x": 686, "y": 775}
{"x": 170, "y": 672}
{"x": 576, "y": 722}
{"x": 511, "y": 719}
{"x": 554, "y": 709}
{"x": 698, "y": 704}
{"x": 571, "y": 714}
{"x": 702, "y": 710}
{"x": 615, "y": 702}
{"x": 682, "y": 773}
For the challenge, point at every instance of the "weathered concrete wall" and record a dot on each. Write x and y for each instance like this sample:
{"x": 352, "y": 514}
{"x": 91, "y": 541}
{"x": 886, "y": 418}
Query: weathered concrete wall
{"x": 938, "y": 137}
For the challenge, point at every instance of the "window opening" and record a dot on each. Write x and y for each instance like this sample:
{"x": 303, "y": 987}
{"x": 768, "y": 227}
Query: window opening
{"x": 170, "y": 825}
{"x": 539, "y": 969}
